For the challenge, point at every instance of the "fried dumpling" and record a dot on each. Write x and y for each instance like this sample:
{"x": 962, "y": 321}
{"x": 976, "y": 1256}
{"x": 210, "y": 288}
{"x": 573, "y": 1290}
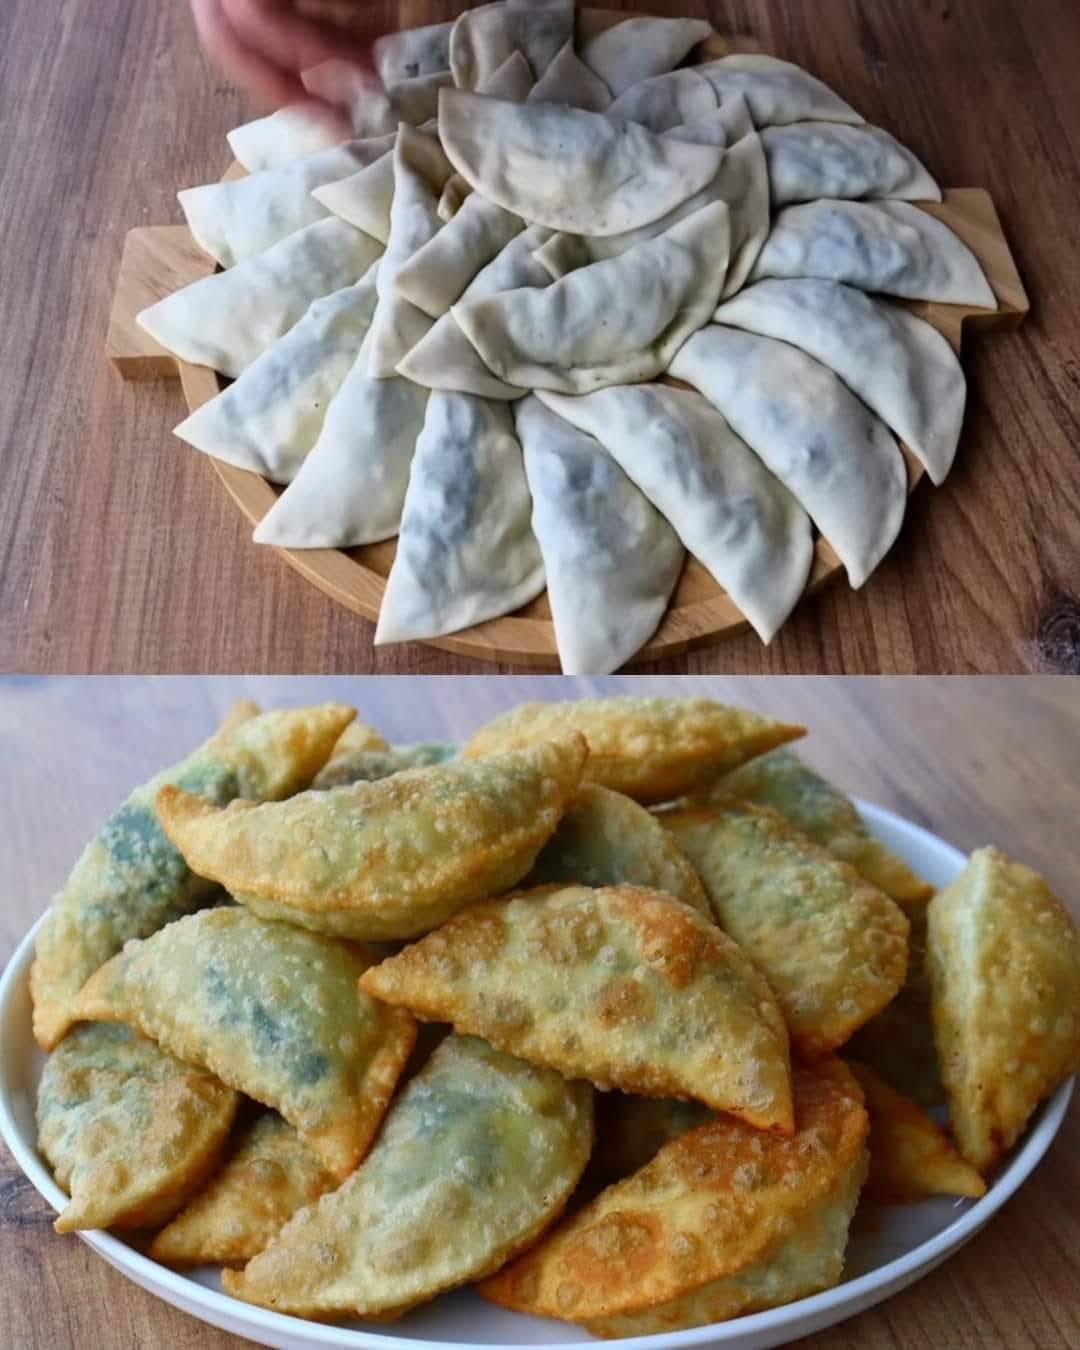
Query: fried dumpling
{"x": 478, "y": 1155}
{"x": 367, "y": 758}
{"x": 268, "y": 1175}
{"x": 833, "y": 947}
{"x": 621, "y": 985}
{"x": 128, "y": 1130}
{"x": 605, "y": 839}
{"x": 631, "y": 1131}
{"x": 911, "y": 1156}
{"x": 820, "y": 810}
{"x": 723, "y": 1222}
{"x": 1004, "y": 963}
{"x": 389, "y": 859}
{"x": 638, "y": 48}
{"x": 777, "y": 92}
{"x": 130, "y": 880}
{"x": 243, "y": 710}
{"x": 651, "y": 749}
{"x": 271, "y": 1009}
{"x": 809, "y": 160}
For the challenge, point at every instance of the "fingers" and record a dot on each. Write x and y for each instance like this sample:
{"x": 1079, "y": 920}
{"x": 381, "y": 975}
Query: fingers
{"x": 279, "y": 35}
{"x": 269, "y": 83}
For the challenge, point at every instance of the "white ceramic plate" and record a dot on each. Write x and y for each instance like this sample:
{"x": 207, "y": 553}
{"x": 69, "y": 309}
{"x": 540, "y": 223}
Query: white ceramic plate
{"x": 890, "y": 1246}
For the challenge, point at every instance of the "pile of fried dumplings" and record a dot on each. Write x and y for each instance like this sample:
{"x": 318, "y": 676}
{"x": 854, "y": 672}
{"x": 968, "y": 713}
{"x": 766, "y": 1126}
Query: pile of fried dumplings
{"x": 613, "y": 1013}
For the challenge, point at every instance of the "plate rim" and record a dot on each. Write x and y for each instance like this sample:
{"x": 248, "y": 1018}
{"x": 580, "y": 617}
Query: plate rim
{"x": 863, "y": 1291}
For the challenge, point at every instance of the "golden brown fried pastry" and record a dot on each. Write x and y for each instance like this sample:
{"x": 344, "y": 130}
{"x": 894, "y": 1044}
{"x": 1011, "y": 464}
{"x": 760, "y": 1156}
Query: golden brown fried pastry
{"x": 389, "y": 859}
{"x": 1004, "y": 963}
{"x": 243, "y": 710}
{"x": 605, "y": 838}
{"x": 724, "y": 1221}
{"x": 368, "y": 766}
{"x": 828, "y": 816}
{"x": 622, "y": 986}
{"x": 911, "y": 1156}
{"x": 129, "y": 1131}
{"x": 833, "y": 947}
{"x": 631, "y": 1131}
{"x": 651, "y": 749}
{"x": 478, "y": 1155}
{"x": 130, "y": 880}
{"x": 273, "y": 1011}
{"x": 269, "y": 1174}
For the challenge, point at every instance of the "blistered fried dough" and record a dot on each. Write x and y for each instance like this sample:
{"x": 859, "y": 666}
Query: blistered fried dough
{"x": 623, "y": 986}
{"x": 833, "y": 947}
{"x": 478, "y": 1156}
{"x": 129, "y": 1131}
{"x": 651, "y": 749}
{"x": 357, "y": 739}
{"x": 824, "y": 813}
{"x": 389, "y": 859}
{"x": 630, "y": 1131}
{"x": 605, "y": 838}
{"x": 368, "y": 766}
{"x": 1003, "y": 956}
{"x": 243, "y": 710}
{"x": 130, "y": 880}
{"x": 911, "y": 1156}
{"x": 269, "y": 1175}
{"x": 274, "y": 1012}
{"x": 723, "y": 1221}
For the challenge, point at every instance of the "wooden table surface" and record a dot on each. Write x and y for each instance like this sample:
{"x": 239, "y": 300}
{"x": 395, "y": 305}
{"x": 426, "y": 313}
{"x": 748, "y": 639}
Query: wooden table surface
{"x": 119, "y": 550}
{"x": 974, "y": 760}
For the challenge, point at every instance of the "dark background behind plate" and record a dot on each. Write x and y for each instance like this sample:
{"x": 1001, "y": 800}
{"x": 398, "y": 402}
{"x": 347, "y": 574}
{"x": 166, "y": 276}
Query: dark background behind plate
{"x": 976, "y": 761}
{"x": 119, "y": 550}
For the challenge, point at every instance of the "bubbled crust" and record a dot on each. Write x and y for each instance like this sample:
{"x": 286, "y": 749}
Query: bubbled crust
{"x": 833, "y": 947}
{"x": 388, "y": 859}
{"x": 651, "y": 749}
{"x": 710, "y": 1205}
{"x": 620, "y": 985}
{"x": 1004, "y": 963}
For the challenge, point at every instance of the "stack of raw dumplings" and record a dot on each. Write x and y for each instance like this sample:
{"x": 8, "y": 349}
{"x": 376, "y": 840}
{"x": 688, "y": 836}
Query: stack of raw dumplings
{"x": 456, "y": 327}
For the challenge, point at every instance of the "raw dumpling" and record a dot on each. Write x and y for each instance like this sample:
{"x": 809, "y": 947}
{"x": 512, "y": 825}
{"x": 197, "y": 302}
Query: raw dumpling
{"x": 723, "y": 1222}
{"x": 637, "y": 49}
{"x": 835, "y": 457}
{"x": 269, "y": 1174}
{"x": 269, "y": 418}
{"x": 833, "y": 947}
{"x": 350, "y": 487}
{"x": 128, "y": 1130}
{"x": 241, "y": 217}
{"x": 726, "y": 507}
{"x": 438, "y": 273}
{"x": 570, "y": 169}
{"x": 652, "y": 749}
{"x": 395, "y": 857}
{"x": 828, "y": 159}
{"x": 671, "y": 1009}
{"x": 900, "y": 366}
{"x": 130, "y": 881}
{"x": 512, "y": 80}
{"x": 892, "y": 247}
{"x": 610, "y": 559}
{"x": 567, "y": 80}
{"x": 370, "y": 764}
{"x": 363, "y": 198}
{"x": 648, "y": 301}
{"x": 227, "y": 320}
{"x": 274, "y": 1012}
{"x": 1004, "y": 964}
{"x": 289, "y": 134}
{"x": 485, "y": 37}
{"x": 465, "y": 550}
{"x": 606, "y": 839}
{"x": 373, "y": 108}
{"x": 778, "y": 92}
{"x": 825, "y": 814}
{"x": 478, "y": 1156}
{"x": 411, "y": 52}
{"x": 666, "y": 101}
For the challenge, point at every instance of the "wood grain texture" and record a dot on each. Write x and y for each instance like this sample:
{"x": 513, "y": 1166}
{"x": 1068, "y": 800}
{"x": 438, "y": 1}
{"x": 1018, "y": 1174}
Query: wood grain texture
{"x": 975, "y": 760}
{"x": 116, "y": 552}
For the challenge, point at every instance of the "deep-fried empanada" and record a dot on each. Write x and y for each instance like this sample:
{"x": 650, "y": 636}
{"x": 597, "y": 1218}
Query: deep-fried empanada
{"x": 833, "y": 947}
{"x": 631, "y": 1131}
{"x": 369, "y": 766}
{"x": 389, "y": 859}
{"x": 724, "y": 1221}
{"x": 269, "y": 1174}
{"x": 1003, "y": 956}
{"x": 130, "y": 880}
{"x": 478, "y": 1156}
{"x": 911, "y": 1156}
{"x": 274, "y": 1011}
{"x": 605, "y": 838}
{"x": 651, "y": 749}
{"x": 129, "y": 1131}
{"x": 621, "y": 985}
